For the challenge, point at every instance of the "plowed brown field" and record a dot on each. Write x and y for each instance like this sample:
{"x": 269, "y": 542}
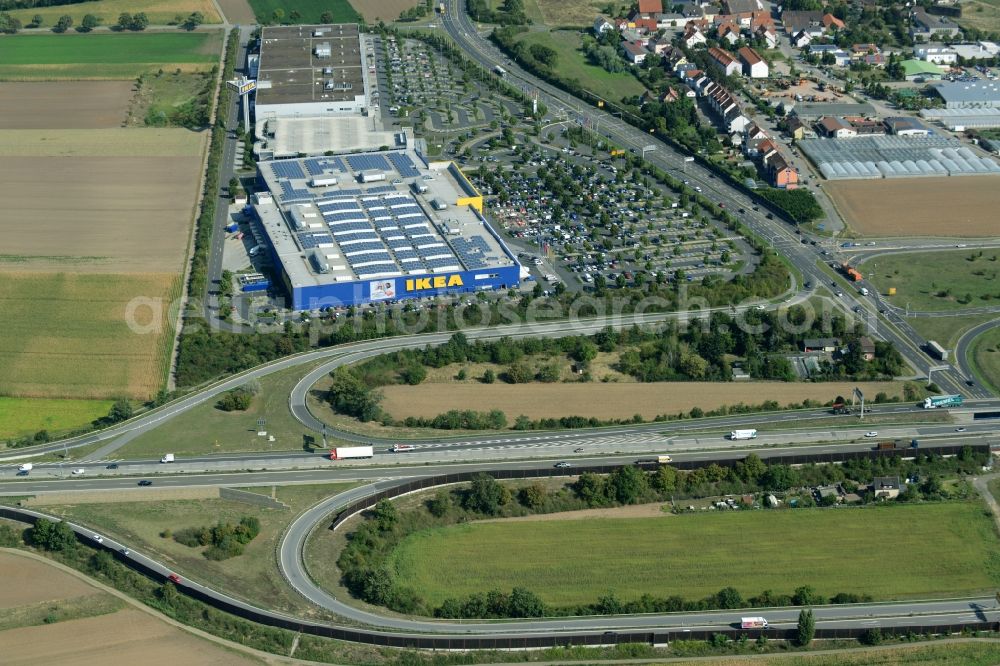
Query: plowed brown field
{"x": 68, "y": 105}
{"x": 607, "y": 401}
{"x": 945, "y": 206}
{"x": 28, "y": 582}
{"x": 97, "y": 214}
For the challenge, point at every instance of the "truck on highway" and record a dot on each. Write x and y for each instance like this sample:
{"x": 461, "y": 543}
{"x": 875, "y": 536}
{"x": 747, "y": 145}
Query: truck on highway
{"x": 892, "y": 445}
{"x": 743, "y": 434}
{"x": 349, "y": 452}
{"x": 851, "y": 273}
{"x": 663, "y": 460}
{"x": 500, "y": 71}
{"x": 25, "y": 468}
{"x": 167, "y": 458}
{"x": 936, "y": 401}
{"x": 937, "y": 351}
{"x": 753, "y": 623}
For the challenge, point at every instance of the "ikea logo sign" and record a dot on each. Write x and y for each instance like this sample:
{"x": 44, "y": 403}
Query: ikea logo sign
{"x": 436, "y": 282}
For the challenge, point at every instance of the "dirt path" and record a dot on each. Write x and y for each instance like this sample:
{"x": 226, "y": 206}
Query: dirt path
{"x": 982, "y": 485}
{"x": 633, "y": 511}
{"x": 267, "y": 657}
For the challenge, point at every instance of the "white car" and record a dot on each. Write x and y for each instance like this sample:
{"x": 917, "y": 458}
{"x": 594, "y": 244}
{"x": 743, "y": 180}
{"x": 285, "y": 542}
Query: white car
{"x": 78, "y": 471}
{"x": 98, "y": 538}
{"x": 871, "y": 433}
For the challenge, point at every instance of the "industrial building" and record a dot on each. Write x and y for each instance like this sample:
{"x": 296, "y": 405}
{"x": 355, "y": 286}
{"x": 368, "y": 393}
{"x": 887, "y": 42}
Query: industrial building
{"x": 311, "y": 70}
{"x": 376, "y": 227}
{"x": 969, "y": 94}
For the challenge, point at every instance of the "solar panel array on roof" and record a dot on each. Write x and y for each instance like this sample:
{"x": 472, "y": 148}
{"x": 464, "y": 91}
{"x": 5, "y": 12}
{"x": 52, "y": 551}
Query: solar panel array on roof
{"x": 310, "y": 240}
{"x": 474, "y": 251}
{"x": 289, "y": 193}
{"x": 367, "y": 163}
{"x": 338, "y": 164}
{"x": 315, "y": 166}
{"x": 381, "y": 188}
{"x": 287, "y": 169}
{"x": 404, "y": 165}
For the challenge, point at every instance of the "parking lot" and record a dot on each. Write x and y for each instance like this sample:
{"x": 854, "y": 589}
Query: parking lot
{"x": 582, "y": 219}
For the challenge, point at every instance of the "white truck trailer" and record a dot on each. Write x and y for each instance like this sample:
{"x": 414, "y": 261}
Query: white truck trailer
{"x": 743, "y": 434}
{"x": 351, "y": 452}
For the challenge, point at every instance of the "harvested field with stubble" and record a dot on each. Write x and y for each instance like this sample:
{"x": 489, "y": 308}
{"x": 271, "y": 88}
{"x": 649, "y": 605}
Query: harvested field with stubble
{"x": 67, "y": 334}
{"x": 608, "y": 401}
{"x": 941, "y": 206}
{"x": 69, "y": 105}
{"x": 386, "y": 10}
{"x": 126, "y": 637}
{"x": 97, "y": 214}
{"x": 27, "y": 581}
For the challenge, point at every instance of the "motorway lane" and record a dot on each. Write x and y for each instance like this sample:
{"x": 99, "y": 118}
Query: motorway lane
{"x": 963, "y": 348}
{"x": 462, "y": 30}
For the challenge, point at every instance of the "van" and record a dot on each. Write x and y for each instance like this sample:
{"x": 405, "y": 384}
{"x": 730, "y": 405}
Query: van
{"x": 864, "y": 291}
{"x": 167, "y": 458}
{"x": 25, "y": 468}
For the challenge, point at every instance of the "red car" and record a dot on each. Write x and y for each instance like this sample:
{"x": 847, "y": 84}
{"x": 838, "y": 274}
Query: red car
{"x": 174, "y": 578}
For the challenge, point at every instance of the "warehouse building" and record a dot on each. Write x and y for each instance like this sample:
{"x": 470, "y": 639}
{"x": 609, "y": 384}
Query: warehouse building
{"x": 311, "y": 70}
{"x": 969, "y": 94}
{"x": 377, "y": 227}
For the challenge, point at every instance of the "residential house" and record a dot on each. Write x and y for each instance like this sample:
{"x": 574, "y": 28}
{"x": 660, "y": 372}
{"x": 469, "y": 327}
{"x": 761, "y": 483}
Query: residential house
{"x": 835, "y": 128}
{"x": 780, "y": 171}
{"x": 808, "y": 21}
{"x": 939, "y": 55}
{"x": 753, "y": 135}
{"x": 886, "y": 487}
{"x": 602, "y": 25}
{"x": 693, "y": 36}
{"x": 831, "y": 23}
{"x": 768, "y": 35}
{"x": 648, "y": 8}
{"x": 645, "y": 26}
{"x": 906, "y": 126}
{"x": 659, "y": 45}
{"x": 753, "y": 65}
{"x": 725, "y": 60}
{"x": 742, "y": 6}
{"x": 725, "y": 106}
{"x": 841, "y": 58}
{"x": 672, "y": 57}
{"x": 670, "y": 20}
{"x": 798, "y": 129}
{"x": 635, "y": 52}
{"x": 923, "y": 26}
{"x": 825, "y": 345}
{"x": 867, "y": 348}
{"x": 801, "y": 39}
{"x": 728, "y": 32}
{"x": 687, "y": 70}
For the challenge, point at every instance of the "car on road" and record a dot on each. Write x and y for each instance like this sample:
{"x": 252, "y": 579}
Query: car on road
{"x": 78, "y": 471}
{"x": 960, "y": 429}
{"x": 174, "y": 578}
{"x": 563, "y": 464}
{"x": 98, "y": 538}
{"x": 112, "y": 466}
{"x": 145, "y": 482}
{"x": 871, "y": 433}
{"x": 579, "y": 450}
{"x": 969, "y": 382}
{"x": 125, "y": 552}
{"x": 770, "y": 216}
{"x": 808, "y": 284}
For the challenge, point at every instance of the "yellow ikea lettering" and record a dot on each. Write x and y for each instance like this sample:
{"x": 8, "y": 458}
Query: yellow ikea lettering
{"x": 436, "y": 282}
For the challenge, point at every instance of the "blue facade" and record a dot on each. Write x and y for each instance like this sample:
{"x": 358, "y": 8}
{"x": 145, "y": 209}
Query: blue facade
{"x": 362, "y": 292}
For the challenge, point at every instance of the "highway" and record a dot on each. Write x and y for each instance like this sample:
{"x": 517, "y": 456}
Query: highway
{"x": 803, "y": 257}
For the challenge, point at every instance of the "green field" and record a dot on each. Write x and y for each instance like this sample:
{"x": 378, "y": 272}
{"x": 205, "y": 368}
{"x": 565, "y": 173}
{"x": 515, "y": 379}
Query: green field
{"x": 309, "y": 11}
{"x": 986, "y": 357}
{"x": 571, "y": 64}
{"x": 66, "y": 335}
{"x": 938, "y": 280}
{"x": 26, "y": 416}
{"x": 946, "y": 330}
{"x": 253, "y": 576}
{"x": 105, "y": 55}
{"x": 950, "y": 549}
{"x": 159, "y": 12}
{"x": 981, "y": 14}
{"x": 206, "y": 429}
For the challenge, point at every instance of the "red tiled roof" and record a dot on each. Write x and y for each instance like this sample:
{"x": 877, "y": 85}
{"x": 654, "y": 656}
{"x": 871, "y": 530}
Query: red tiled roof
{"x": 651, "y": 6}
